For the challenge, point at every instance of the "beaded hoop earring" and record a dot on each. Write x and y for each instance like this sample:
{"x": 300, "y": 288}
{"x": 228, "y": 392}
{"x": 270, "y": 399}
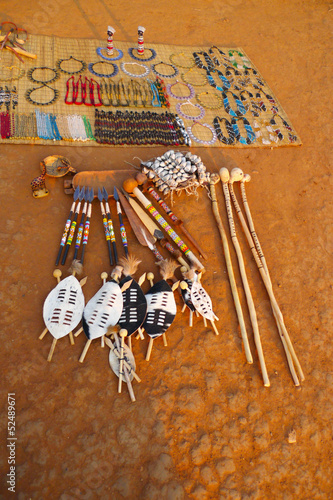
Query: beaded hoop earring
{"x": 209, "y": 63}
{"x": 103, "y": 75}
{"x": 250, "y": 135}
{"x": 292, "y": 137}
{"x": 154, "y": 70}
{"x": 107, "y": 58}
{"x": 217, "y": 106}
{"x": 221, "y": 137}
{"x": 137, "y": 58}
{"x": 215, "y": 59}
{"x": 200, "y": 141}
{"x": 30, "y": 91}
{"x": 146, "y": 68}
{"x": 241, "y": 110}
{"x": 180, "y": 98}
{"x": 192, "y": 61}
{"x": 201, "y": 75}
{"x": 189, "y": 117}
{"x": 225, "y": 82}
{"x": 32, "y": 70}
{"x": 255, "y": 108}
{"x": 81, "y": 70}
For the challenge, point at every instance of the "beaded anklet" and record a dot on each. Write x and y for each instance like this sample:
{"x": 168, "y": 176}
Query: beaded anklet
{"x": 103, "y": 75}
{"x": 205, "y": 105}
{"x": 250, "y": 135}
{"x": 71, "y": 58}
{"x": 200, "y": 75}
{"x": 143, "y": 75}
{"x": 201, "y": 141}
{"x": 221, "y": 137}
{"x": 154, "y": 70}
{"x": 173, "y": 56}
{"x": 108, "y": 58}
{"x": 180, "y": 98}
{"x": 189, "y": 117}
{"x": 138, "y": 58}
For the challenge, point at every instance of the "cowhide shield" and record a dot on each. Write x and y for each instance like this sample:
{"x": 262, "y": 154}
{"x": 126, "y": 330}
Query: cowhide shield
{"x": 202, "y": 301}
{"x": 103, "y": 310}
{"x": 161, "y": 309}
{"x": 186, "y": 294}
{"x": 134, "y": 306}
{"x": 63, "y": 307}
{"x": 115, "y": 363}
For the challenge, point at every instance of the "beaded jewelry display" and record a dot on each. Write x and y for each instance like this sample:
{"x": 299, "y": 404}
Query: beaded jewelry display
{"x": 139, "y": 58}
{"x": 250, "y": 135}
{"x": 255, "y": 108}
{"x": 230, "y": 131}
{"x": 179, "y": 97}
{"x": 199, "y": 75}
{"x": 34, "y": 80}
{"x": 189, "y": 117}
{"x": 25, "y": 126}
{"x": 241, "y": 110}
{"x": 225, "y": 82}
{"x": 292, "y": 136}
{"x": 134, "y": 75}
{"x": 201, "y": 141}
{"x": 109, "y": 58}
{"x": 71, "y": 58}
{"x": 5, "y": 125}
{"x": 103, "y": 75}
{"x": 259, "y": 135}
{"x": 255, "y": 73}
{"x": 209, "y": 66}
{"x": 47, "y": 127}
{"x": 36, "y": 103}
{"x": 158, "y": 73}
{"x": 172, "y": 58}
{"x": 210, "y": 96}
{"x": 21, "y": 73}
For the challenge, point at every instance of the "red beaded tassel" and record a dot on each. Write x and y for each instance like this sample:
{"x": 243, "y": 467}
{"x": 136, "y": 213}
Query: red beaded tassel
{"x": 110, "y": 32}
{"x": 141, "y": 48}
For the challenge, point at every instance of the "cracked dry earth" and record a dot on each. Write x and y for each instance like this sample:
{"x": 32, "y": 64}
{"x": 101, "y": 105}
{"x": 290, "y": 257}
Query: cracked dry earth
{"x": 203, "y": 425}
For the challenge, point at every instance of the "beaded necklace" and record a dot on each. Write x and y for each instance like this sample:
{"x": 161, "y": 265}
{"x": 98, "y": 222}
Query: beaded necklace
{"x": 196, "y": 118}
{"x": 36, "y": 103}
{"x": 134, "y": 75}
{"x": 42, "y": 68}
{"x": 292, "y": 136}
{"x": 241, "y": 110}
{"x": 255, "y": 108}
{"x": 45, "y": 84}
{"x": 216, "y": 59}
{"x": 199, "y": 75}
{"x": 179, "y": 97}
{"x": 210, "y": 95}
{"x": 108, "y": 58}
{"x": 139, "y": 58}
{"x": 225, "y": 82}
{"x": 71, "y": 58}
{"x": 181, "y": 55}
{"x": 202, "y": 141}
{"x": 103, "y": 75}
{"x": 209, "y": 66}
{"x": 250, "y": 135}
{"x": 158, "y": 73}
{"x": 246, "y": 63}
{"x": 230, "y": 131}
{"x": 20, "y": 74}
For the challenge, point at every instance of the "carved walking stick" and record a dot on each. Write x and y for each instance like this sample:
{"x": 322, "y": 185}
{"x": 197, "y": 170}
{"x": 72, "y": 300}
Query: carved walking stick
{"x": 224, "y": 174}
{"x": 213, "y": 179}
{"x": 237, "y": 175}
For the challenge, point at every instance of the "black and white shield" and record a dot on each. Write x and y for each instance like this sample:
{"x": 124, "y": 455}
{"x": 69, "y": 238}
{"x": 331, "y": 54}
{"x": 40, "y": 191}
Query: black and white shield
{"x": 134, "y": 306}
{"x": 161, "y": 309}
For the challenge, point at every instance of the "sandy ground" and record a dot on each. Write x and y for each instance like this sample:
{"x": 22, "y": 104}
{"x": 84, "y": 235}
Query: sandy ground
{"x": 203, "y": 426}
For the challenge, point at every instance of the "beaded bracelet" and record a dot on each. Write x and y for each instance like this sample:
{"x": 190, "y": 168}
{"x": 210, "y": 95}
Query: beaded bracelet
{"x": 103, "y": 75}
{"x": 201, "y": 141}
{"x": 241, "y": 110}
{"x": 209, "y": 63}
{"x": 195, "y": 84}
{"x": 36, "y": 103}
{"x": 250, "y": 135}
{"x": 138, "y": 58}
{"x": 107, "y": 58}
{"x": 192, "y": 61}
{"x": 255, "y": 108}
{"x": 176, "y": 70}
{"x": 292, "y": 137}
{"x": 80, "y": 70}
{"x": 189, "y": 117}
{"x": 181, "y": 98}
{"x": 215, "y": 59}
{"x": 225, "y": 82}
{"x": 216, "y": 96}
{"x": 221, "y": 137}
{"x": 32, "y": 70}
{"x": 146, "y": 68}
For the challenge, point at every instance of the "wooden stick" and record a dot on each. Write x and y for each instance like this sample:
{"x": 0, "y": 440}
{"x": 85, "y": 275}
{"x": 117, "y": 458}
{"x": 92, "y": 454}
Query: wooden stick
{"x": 150, "y": 278}
{"x": 85, "y": 350}
{"x": 214, "y": 327}
{"x": 224, "y": 174}
{"x": 165, "y": 342}
{"x": 54, "y": 341}
{"x": 42, "y": 335}
{"x": 128, "y": 366}
{"x": 76, "y": 334}
{"x": 129, "y": 385}
{"x": 230, "y": 271}
{"x": 150, "y": 346}
{"x": 262, "y": 266}
{"x": 123, "y": 334}
{"x": 71, "y": 338}
{"x": 130, "y": 342}
{"x": 102, "y": 341}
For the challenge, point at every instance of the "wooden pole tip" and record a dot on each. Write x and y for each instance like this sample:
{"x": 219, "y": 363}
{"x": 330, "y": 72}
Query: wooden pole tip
{"x": 183, "y": 285}
{"x": 236, "y": 175}
{"x": 129, "y": 185}
{"x": 57, "y": 273}
{"x": 150, "y": 276}
{"x": 104, "y": 275}
{"x": 123, "y": 333}
{"x": 246, "y": 178}
{"x": 141, "y": 178}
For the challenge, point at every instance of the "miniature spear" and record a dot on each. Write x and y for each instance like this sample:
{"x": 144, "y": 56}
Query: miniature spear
{"x": 105, "y": 225}
{"x": 122, "y": 227}
{"x": 110, "y": 225}
{"x": 68, "y": 224}
{"x": 87, "y": 224}
{"x": 81, "y": 225}
{"x": 73, "y": 226}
